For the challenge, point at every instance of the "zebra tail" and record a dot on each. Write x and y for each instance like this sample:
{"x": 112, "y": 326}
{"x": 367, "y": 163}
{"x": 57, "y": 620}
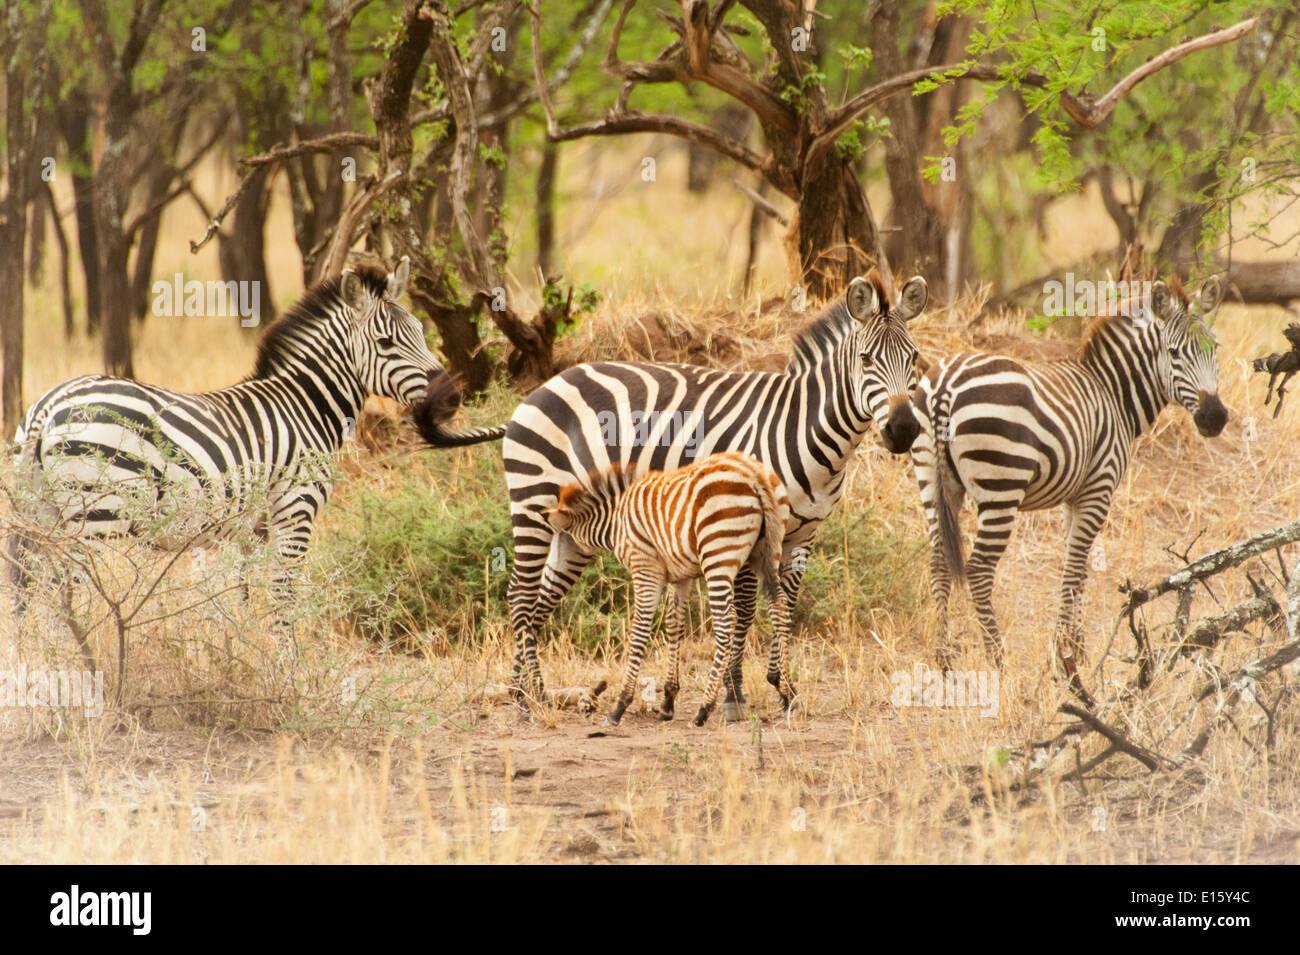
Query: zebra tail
{"x": 772, "y": 542}
{"x": 439, "y": 405}
{"x": 949, "y": 528}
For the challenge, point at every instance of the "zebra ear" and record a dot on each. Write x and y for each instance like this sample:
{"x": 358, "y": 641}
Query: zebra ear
{"x": 399, "y": 277}
{"x": 1161, "y": 301}
{"x": 912, "y": 299}
{"x": 862, "y": 299}
{"x": 353, "y": 291}
{"x": 1209, "y": 297}
{"x": 558, "y": 518}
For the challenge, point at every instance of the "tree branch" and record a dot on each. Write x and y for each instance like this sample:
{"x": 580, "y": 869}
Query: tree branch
{"x": 324, "y": 144}
{"x": 351, "y": 222}
{"x": 1116, "y": 738}
{"x": 1212, "y": 564}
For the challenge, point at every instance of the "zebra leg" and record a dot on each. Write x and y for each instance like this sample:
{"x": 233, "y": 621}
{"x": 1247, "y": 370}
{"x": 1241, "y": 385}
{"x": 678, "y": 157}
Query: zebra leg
{"x": 723, "y": 611}
{"x": 20, "y": 555}
{"x": 675, "y": 628}
{"x": 778, "y": 667}
{"x": 648, "y": 586}
{"x": 1085, "y": 520}
{"x": 532, "y": 546}
{"x": 290, "y": 539}
{"x": 778, "y": 663}
{"x": 746, "y": 597}
{"x": 563, "y": 568}
{"x": 991, "y": 539}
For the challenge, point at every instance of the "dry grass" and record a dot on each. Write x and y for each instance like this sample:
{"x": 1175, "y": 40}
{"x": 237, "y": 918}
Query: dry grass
{"x": 388, "y": 758}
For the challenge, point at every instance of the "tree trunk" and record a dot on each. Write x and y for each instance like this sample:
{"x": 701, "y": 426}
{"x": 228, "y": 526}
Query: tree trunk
{"x": 1177, "y": 250}
{"x": 13, "y": 231}
{"x": 36, "y": 243}
{"x": 160, "y": 180}
{"x": 930, "y": 222}
{"x": 1274, "y": 283}
{"x": 73, "y": 116}
{"x": 243, "y": 252}
{"x": 61, "y": 238}
{"x": 546, "y": 175}
{"x": 834, "y": 232}
{"x": 114, "y": 245}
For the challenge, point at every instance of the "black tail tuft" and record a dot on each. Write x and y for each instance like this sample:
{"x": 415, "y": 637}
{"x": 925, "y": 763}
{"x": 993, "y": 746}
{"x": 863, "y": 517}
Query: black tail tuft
{"x": 945, "y": 476}
{"x": 439, "y": 405}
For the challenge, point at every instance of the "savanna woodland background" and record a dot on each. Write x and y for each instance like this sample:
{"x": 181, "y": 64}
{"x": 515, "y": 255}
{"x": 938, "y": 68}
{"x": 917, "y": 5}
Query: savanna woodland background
{"x": 583, "y": 179}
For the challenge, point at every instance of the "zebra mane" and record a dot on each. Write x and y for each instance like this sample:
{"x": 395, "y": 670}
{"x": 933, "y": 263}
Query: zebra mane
{"x": 1097, "y": 331}
{"x": 821, "y": 335}
{"x": 602, "y": 488}
{"x": 1178, "y": 295}
{"x": 281, "y": 336}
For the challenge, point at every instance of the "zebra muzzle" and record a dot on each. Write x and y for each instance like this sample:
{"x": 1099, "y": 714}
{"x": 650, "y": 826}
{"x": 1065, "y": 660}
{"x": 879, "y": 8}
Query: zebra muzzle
{"x": 1211, "y": 415}
{"x": 901, "y": 428}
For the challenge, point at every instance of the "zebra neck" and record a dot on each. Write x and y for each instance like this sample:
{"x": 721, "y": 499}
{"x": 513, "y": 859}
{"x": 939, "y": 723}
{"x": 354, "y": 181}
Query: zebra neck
{"x": 831, "y": 422}
{"x": 1123, "y": 358}
{"x": 316, "y": 372}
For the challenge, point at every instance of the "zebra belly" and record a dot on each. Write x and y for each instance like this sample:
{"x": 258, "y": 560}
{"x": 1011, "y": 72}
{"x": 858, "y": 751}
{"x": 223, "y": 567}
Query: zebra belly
{"x": 105, "y": 479}
{"x": 587, "y": 419}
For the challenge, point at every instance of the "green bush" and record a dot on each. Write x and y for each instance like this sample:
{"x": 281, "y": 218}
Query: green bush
{"x": 431, "y": 555}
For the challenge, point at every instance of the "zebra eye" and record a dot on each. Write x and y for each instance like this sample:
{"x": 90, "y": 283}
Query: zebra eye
{"x": 385, "y": 342}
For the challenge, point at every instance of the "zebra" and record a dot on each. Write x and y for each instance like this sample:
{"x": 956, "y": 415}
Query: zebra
{"x": 1020, "y": 435}
{"x": 852, "y": 364}
{"x": 710, "y": 519}
{"x": 101, "y": 456}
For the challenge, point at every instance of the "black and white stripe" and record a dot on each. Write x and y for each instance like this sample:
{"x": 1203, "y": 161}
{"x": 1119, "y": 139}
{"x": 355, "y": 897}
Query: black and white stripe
{"x": 108, "y": 456}
{"x": 1018, "y": 435}
{"x": 853, "y": 364}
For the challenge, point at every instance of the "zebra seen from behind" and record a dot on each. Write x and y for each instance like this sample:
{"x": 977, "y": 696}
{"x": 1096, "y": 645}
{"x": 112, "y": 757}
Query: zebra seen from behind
{"x": 100, "y": 456}
{"x": 710, "y": 519}
{"x": 1018, "y": 435}
{"x": 853, "y": 364}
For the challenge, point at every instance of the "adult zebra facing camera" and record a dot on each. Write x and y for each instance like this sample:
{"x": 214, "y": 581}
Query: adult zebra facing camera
{"x": 850, "y": 366}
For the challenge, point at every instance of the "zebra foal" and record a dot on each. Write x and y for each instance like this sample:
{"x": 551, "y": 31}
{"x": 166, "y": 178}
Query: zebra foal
{"x": 1018, "y": 435}
{"x": 711, "y": 519}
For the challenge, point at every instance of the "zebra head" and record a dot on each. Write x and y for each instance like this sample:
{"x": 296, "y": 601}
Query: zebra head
{"x": 884, "y": 366}
{"x": 586, "y": 513}
{"x": 387, "y": 340}
{"x": 1189, "y": 368}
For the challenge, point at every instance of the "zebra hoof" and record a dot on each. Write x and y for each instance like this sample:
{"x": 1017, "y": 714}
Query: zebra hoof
{"x": 733, "y": 711}
{"x": 666, "y": 712}
{"x": 701, "y": 716}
